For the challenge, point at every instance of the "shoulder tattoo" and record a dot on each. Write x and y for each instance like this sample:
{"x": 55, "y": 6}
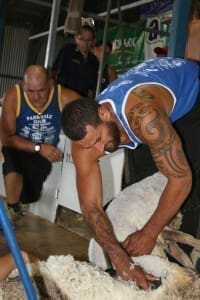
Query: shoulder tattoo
{"x": 152, "y": 126}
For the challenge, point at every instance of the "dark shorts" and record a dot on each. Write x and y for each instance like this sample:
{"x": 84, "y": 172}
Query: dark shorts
{"x": 33, "y": 167}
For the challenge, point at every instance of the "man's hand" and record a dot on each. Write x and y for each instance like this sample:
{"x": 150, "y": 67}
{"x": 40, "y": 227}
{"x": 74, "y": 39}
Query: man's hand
{"x": 129, "y": 271}
{"x": 139, "y": 243}
{"x": 51, "y": 152}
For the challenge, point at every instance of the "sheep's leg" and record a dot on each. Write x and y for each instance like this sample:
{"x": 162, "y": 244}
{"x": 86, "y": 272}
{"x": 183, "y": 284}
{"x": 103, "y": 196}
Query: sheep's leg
{"x": 175, "y": 251}
{"x": 181, "y": 237}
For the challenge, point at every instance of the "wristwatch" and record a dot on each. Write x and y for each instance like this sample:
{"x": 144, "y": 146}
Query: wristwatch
{"x": 37, "y": 147}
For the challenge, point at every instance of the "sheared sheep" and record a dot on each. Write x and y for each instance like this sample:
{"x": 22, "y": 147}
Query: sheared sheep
{"x": 62, "y": 277}
{"x": 129, "y": 211}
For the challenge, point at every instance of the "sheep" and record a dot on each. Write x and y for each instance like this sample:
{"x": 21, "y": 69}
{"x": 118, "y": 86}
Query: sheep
{"x": 129, "y": 211}
{"x": 63, "y": 277}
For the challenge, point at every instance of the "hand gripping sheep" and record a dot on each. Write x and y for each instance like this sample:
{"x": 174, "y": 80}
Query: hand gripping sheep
{"x": 128, "y": 212}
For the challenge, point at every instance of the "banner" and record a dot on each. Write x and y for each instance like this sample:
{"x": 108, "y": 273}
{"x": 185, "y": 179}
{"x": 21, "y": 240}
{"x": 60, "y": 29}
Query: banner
{"x": 131, "y": 53}
{"x": 155, "y": 39}
{"x": 139, "y": 44}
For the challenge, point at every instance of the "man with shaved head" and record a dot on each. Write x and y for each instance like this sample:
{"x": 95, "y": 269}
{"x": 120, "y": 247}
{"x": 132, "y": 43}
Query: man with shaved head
{"x": 30, "y": 128}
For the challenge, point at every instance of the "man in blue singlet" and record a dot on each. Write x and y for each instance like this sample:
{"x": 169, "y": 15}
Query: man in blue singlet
{"x": 138, "y": 108}
{"x": 30, "y": 128}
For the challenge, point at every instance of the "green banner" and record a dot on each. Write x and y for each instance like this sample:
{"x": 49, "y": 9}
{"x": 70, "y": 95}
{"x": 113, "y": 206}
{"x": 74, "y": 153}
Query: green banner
{"x": 132, "y": 53}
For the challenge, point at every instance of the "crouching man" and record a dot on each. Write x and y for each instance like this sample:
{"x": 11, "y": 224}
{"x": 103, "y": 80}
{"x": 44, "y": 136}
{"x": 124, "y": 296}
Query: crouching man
{"x": 30, "y": 128}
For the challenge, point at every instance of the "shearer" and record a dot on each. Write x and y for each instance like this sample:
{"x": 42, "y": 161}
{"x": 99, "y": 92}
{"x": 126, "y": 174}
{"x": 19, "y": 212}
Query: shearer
{"x": 154, "y": 103}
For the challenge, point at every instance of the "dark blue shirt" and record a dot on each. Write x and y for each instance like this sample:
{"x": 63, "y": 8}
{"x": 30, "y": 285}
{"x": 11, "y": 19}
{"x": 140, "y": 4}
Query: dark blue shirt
{"x": 74, "y": 72}
{"x": 40, "y": 127}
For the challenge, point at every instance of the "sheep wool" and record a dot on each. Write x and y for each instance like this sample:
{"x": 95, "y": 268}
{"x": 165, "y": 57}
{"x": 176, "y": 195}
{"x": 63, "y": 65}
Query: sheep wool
{"x": 128, "y": 212}
{"x": 81, "y": 280}
{"x": 64, "y": 278}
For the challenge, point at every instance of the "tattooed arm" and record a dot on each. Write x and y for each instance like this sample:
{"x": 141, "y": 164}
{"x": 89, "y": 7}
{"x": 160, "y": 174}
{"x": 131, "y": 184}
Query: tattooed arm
{"x": 90, "y": 195}
{"x": 148, "y": 118}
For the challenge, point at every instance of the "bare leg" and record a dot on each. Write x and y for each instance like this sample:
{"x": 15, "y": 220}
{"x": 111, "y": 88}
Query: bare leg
{"x": 181, "y": 237}
{"x": 175, "y": 251}
{"x": 13, "y": 187}
{"x": 7, "y": 264}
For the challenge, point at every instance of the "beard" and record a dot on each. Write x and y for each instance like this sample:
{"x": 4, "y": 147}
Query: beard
{"x": 114, "y": 135}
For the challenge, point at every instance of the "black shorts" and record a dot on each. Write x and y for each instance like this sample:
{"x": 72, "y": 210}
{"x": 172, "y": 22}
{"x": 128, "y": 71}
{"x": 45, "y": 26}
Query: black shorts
{"x": 33, "y": 168}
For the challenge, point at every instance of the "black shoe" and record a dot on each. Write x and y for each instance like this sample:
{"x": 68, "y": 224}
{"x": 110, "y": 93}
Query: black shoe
{"x": 13, "y": 212}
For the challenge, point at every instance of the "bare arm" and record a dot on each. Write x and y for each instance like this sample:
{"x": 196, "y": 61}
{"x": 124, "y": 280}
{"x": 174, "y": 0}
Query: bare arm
{"x": 192, "y": 51}
{"x": 90, "y": 195}
{"x": 68, "y": 95}
{"x": 8, "y": 123}
{"x": 7, "y": 264}
{"x": 112, "y": 74}
{"x": 149, "y": 119}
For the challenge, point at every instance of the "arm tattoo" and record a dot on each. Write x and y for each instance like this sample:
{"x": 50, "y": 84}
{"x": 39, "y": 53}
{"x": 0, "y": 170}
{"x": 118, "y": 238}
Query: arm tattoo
{"x": 151, "y": 125}
{"x": 142, "y": 93}
{"x": 171, "y": 162}
{"x": 138, "y": 113}
{"x": 102, "y": 229}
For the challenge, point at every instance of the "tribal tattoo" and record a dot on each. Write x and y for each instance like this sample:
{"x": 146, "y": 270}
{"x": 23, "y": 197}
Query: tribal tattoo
{"x": 151, "y": 125}
{"x": 103, "y": 230}
{"x": 142, "y": 93}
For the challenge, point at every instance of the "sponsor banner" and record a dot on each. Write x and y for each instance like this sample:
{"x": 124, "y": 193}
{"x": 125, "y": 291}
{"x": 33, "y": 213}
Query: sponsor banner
{"x": 154, "y": 39}
{"x": 131, "y": 53}
{"x": 138, "y": 43}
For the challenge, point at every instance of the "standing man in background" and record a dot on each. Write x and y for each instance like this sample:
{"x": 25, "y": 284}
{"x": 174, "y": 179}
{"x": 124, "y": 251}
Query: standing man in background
{"x": 75, "y": 66}
{"x": 29, "y": 130}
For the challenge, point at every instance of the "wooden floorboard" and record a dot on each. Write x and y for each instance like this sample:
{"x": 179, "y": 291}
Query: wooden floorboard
{"x": 42, "y": 238}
